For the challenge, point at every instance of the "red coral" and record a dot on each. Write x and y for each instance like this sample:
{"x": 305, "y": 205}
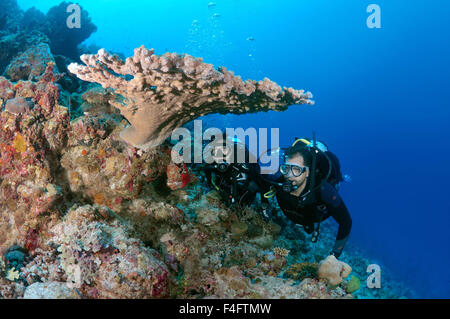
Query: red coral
{"x": 32, "y": 240}
{"x": 185, "y": 177}
{"x": 160, "y": 287}
{"x": 178, "y": 176}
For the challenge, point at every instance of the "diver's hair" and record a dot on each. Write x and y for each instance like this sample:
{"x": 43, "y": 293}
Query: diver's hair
{"x": 302, "y": 150}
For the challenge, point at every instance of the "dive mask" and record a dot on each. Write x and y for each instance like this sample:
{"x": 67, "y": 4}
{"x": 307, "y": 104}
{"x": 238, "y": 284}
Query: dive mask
{"x": 297, "y": 170}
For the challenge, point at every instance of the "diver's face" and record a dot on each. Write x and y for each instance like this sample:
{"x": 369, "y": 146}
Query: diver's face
{"x": 297, "y": 180}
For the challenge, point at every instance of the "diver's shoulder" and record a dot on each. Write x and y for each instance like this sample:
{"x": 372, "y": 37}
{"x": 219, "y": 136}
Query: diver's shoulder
{"x": 330, "y": 194}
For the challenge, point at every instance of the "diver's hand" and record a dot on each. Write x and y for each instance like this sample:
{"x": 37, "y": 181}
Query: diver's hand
{"x": 339, "y": 247}
{"x": 335, "y": 254}
{"x": 266, "y": 211}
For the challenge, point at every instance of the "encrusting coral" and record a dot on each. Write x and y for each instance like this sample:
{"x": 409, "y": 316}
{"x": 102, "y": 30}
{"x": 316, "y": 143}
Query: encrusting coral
{"x": 31, "y": 64}
{"x": 102, "y": 260}
{"x": 281, "y": 251}
{"x": 33, "y": 130}
{"x": 353, "y": 285}
{"x": 50, "y": 290}
{"x": 161, "y": 93}
{"x": 301, "y": 271}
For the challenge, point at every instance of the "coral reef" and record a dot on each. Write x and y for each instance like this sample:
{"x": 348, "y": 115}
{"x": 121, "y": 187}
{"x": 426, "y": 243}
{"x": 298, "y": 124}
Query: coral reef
{"x": 165, "y": 92}
{"x": 85, "y": 215}
{"x": 239, "y": 228}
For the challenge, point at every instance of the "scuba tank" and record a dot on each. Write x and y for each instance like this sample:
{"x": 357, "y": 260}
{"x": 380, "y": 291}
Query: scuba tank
{"x": 328, "y": 165}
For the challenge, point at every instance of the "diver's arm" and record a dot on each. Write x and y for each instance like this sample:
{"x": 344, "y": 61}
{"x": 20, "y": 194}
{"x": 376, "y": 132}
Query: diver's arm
{"x": 342, "y": 217}
{"x": 337, "y": 209}
{"x": 263, "y": 186}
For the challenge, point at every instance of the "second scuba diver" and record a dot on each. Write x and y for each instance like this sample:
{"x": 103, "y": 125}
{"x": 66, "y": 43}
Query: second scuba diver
{"x": 308, "y": 199}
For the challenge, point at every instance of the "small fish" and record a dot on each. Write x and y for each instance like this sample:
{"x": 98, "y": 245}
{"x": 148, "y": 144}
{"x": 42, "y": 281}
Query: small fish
{"x": 211, "y": 5}
{"x": 250, "y": 39}
{"x": 216, "y": 15}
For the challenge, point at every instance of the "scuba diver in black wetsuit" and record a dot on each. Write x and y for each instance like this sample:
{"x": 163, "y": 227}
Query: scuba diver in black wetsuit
{"x": 308, "y": 199}
{"x": 235, "y": 180}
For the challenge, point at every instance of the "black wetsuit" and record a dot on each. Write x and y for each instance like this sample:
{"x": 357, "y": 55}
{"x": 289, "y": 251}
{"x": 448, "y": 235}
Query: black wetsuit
{"x": 306, "y": 213}
{"x": 237, "y": 184}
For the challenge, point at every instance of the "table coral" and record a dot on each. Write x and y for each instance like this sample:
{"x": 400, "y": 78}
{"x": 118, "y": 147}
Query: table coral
{"x": 165, "y": 92}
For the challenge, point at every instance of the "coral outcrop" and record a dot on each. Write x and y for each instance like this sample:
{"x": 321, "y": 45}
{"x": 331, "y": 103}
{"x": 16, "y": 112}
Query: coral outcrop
{"x": 65, "y": 40}
{"x": 353, "y": 285}
{"x": 33, "y": 131}
{"x": 10, "y": 15}
{"x": 231, "y": 283}
{"x": 31, "y": 64}
{"x": 16, "y": 43}
{"x": 333, "y": 270}
{"x": 18, "y": 29}
{"x": 161, "y": 93}
{"x": 50, "y": 290}
{"x": 18, "y": 105}
{"x": 103, "y": 261}
{"x": 302, "y": 270}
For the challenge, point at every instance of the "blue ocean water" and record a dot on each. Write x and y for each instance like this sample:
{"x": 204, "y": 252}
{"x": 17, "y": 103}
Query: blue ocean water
{"x": 382, "y": 100}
